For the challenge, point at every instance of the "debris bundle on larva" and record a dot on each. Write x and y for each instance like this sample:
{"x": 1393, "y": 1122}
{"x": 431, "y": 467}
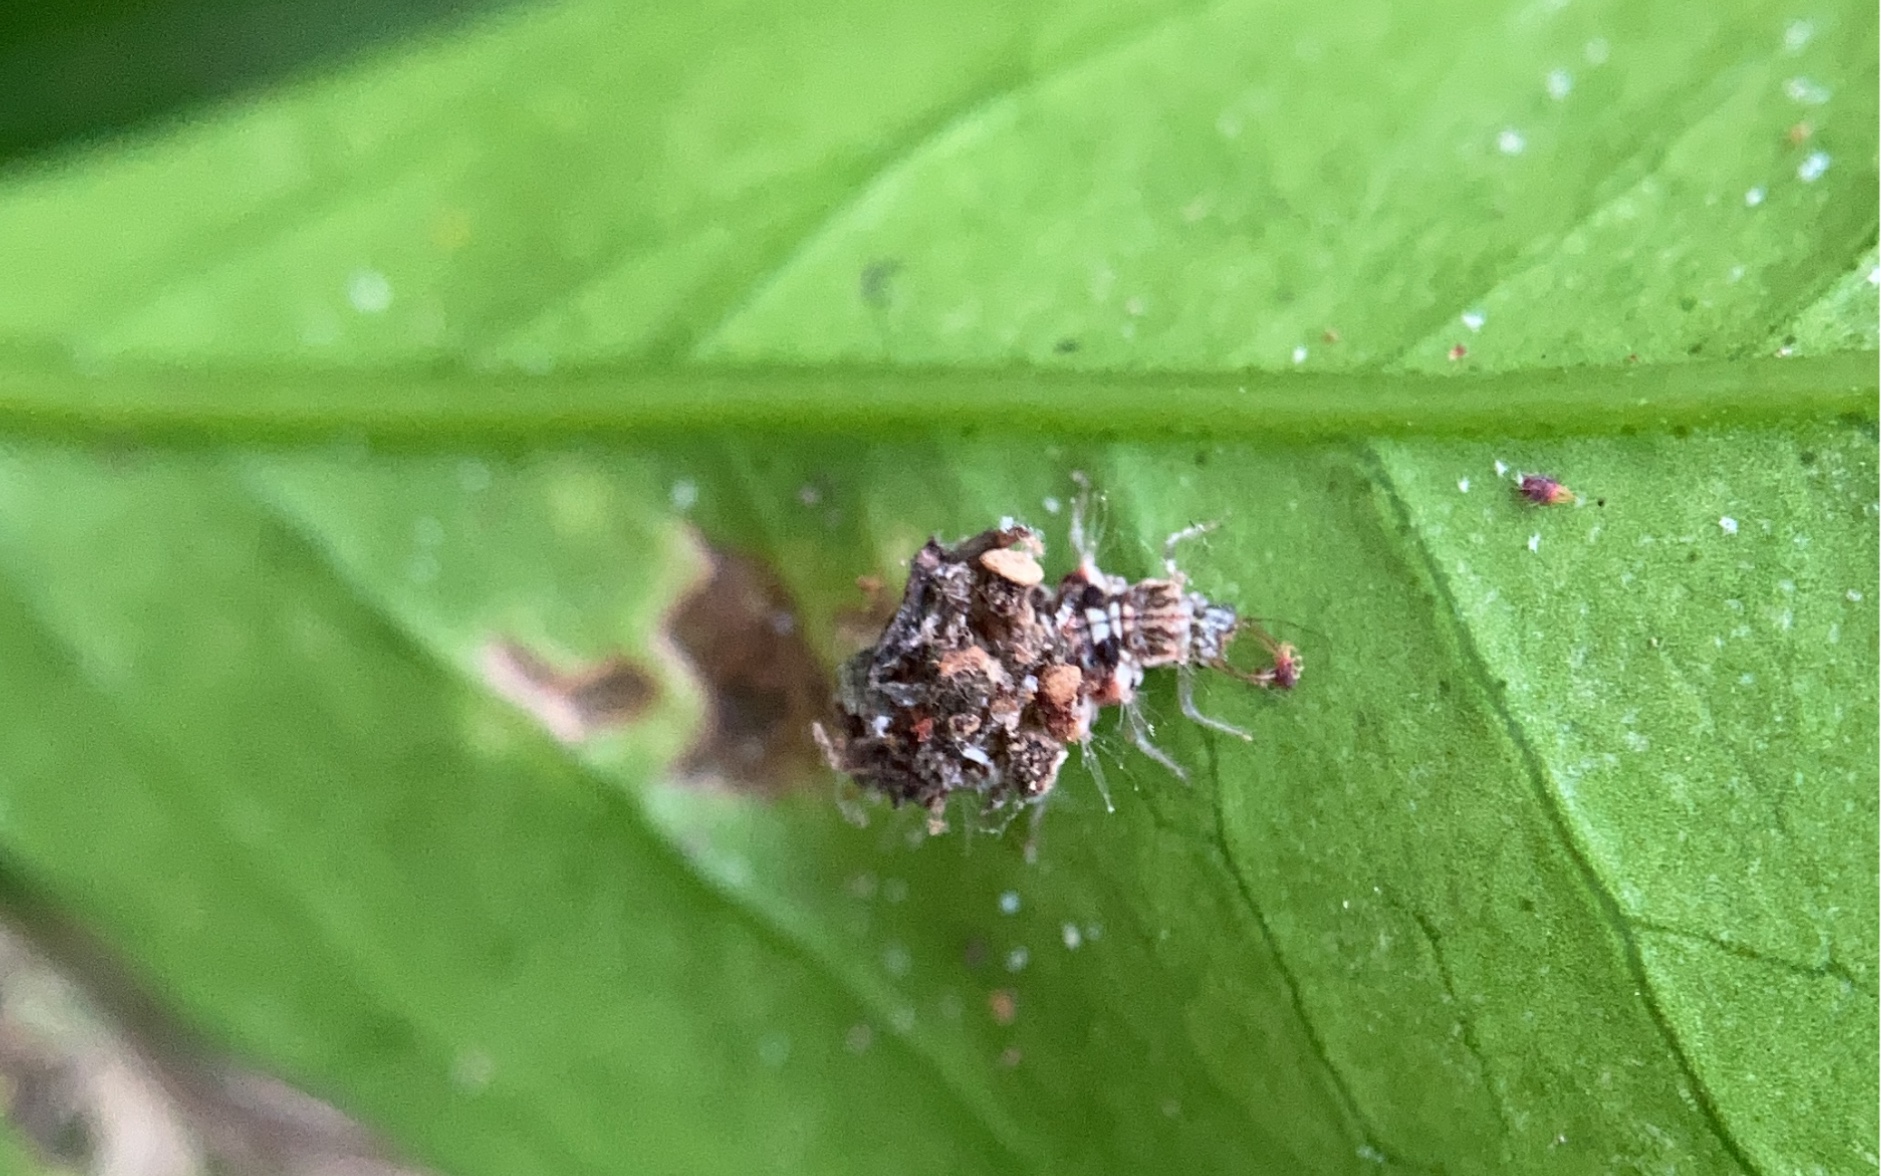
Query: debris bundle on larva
{"x": 984, "y": 677}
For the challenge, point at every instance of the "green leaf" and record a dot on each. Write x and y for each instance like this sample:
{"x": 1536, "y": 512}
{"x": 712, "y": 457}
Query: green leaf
{"x": 1560, "y": 859}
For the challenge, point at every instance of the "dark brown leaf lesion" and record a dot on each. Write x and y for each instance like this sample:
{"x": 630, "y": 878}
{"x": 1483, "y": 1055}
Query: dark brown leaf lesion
{"x": 736, "y": 633}
{"x": 740, "y": 633}
{"x": 572, "y": 703}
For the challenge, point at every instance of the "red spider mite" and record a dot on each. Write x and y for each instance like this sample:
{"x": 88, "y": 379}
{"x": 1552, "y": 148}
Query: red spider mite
{"x": 1284, "y": 674}
{"x": 1542, "y": 490}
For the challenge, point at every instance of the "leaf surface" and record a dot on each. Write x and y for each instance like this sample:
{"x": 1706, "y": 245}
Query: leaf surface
{"x": 1561, "y": 859}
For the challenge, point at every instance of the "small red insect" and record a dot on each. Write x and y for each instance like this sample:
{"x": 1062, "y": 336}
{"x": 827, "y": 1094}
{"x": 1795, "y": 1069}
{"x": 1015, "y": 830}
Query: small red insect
{"x": 1458, "y": 352}
{"x": 1542, "y": 490}
{"x": 1284, "y": 674}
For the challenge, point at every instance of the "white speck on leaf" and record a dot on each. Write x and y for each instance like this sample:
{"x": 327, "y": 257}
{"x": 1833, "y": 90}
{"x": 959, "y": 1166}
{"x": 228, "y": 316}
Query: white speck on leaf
{"x": 774, "y": 1050}
{"x": 1502, "y": 468}
{"x": 1813, "y": 167}
{"x": 472, "y": 1070}
{"x": 1559, "y": 84}
{"x": 1474, "y": 319}
{"x": 684, "y": 494}
{"x": 1299, "y": 354}
{"x": 1854, "y": 596}
{"x": 1797, "y": 35}
{"x": 1806, "y": 92}
{"x": 1728, "y": 525}
{"x": 1072, "y": 937}
{"x": 1534, "y": 542}
{"x": 1009, "y": 903}
{"x": 895, "y": 960}
{"x": 1052, "y": 505}
{"x": 369, "y": 292}
{"x": 1511, "y": 142}
{"x": 1463, "y": 484}
{"x": 1017, "y": 959}
{"x": 1753, "y": 197}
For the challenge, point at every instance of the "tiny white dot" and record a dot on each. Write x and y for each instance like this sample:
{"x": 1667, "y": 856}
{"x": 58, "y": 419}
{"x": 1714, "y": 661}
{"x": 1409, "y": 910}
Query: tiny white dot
{"x": 1796, "y": 35}
{"x": 1874, "y": 276}
{"x": 1463, "y": 484}
{"x": 774, "y": 1050}
{"x": 1534, "y": 542}
{"x": 1299, "y": 354}
{"x": 896, "y": 960}
{"x": 684, "y": 494}
{"x": 1073, "y": 937}
{"x": 1017, "y": 958}
{"x": 1559, "y": 83}
{"x": 1052, "y": 505}
{"x": 1813, "y": 166}
{"x": 1854, "y": 596}
{"x": 1502, "y": 469}
{"x": 1753, "y": 198}
{"x": 1009, "y": 903}
{"x": 1806, "y": 92}
{"x": 1511, "y": 142}
{"x": 1728, "y": 525}
{"x": 369, "y": 292}
{"x": 1474, "y": 319}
